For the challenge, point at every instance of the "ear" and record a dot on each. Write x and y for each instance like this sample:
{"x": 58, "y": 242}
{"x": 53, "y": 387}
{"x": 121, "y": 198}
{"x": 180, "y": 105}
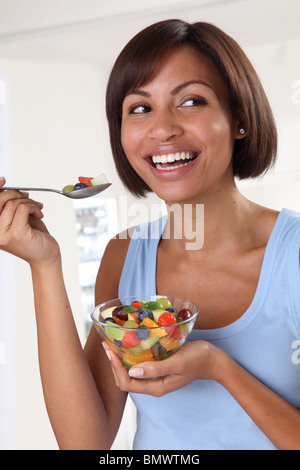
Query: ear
{"x": 240, "y": 128}
{"x": 240, "y": 133}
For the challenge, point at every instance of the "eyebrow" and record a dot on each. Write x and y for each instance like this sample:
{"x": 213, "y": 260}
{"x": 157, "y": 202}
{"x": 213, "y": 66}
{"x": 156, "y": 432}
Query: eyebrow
{"x": 174, "y": 92}
{"x": 186, "y": 84}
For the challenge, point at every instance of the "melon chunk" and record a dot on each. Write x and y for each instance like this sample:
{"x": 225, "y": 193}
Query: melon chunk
{"x": 100, "y": 179}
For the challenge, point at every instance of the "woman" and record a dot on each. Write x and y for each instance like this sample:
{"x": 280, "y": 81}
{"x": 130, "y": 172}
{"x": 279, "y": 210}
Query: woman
{"x": 184, "y": 90}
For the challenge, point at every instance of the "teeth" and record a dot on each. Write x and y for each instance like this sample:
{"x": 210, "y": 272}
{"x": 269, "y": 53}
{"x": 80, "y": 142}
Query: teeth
{"x": 160, "y": 167}
{"x": 172, "y": 157}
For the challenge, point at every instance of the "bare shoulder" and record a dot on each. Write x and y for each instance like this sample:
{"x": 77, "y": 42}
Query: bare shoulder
{"x": 264, "y": 220}
{"x": 269, "y": 217}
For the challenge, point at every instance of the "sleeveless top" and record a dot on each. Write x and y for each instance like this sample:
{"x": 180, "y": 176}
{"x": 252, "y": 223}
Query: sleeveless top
{"x": 265, "y": 341}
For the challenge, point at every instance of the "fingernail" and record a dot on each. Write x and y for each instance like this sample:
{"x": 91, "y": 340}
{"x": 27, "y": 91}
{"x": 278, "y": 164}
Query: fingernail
{"x": 2, "y": 178}
{"x": 136, "y": 372}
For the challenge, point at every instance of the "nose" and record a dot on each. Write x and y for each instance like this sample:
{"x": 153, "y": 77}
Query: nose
{"x": 164, "y": 125}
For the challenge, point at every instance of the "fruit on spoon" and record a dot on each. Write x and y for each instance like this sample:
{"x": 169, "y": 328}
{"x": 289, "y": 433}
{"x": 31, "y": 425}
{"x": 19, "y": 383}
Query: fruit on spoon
{"x": 85, "y": 182}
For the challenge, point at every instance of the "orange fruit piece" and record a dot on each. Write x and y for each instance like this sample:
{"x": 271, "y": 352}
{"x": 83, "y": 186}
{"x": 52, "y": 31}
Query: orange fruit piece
{"x": 160, "y": 332}
{"x": 169, "y": 343}
{"x": 143, "y": 356}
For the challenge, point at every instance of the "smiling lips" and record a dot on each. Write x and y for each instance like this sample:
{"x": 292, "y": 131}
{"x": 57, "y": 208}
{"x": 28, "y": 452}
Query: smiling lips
{"x": 172, "y": 161}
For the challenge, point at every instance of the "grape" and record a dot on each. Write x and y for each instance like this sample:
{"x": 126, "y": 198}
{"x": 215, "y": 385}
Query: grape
{"x": 185, "y": 314}
{"x": 163, "y": 303}
{"x": 117, "y": 312}
{"x": 130, "y": 324}
{"x": 68, "y": 188}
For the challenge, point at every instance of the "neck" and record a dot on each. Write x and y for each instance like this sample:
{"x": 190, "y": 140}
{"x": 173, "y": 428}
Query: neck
{"x": 220, "y": 220}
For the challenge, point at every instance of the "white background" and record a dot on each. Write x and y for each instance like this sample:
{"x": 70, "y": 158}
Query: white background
{"x": 7, "y": 294}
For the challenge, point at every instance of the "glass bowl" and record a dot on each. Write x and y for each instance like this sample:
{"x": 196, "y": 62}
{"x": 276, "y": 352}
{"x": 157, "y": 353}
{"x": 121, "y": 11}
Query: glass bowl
{"x": 147, "y": 329}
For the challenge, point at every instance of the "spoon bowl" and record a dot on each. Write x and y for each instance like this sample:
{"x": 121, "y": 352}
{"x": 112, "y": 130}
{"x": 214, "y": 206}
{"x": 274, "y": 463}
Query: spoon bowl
{"x": 77, "y": 194}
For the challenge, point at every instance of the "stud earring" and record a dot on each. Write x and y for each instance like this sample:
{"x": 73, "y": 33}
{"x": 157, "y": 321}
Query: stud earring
{"x": 242, "y": 131}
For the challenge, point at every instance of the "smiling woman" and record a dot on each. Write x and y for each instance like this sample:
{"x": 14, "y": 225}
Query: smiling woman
{"x": 139, "y": 61}
{"x": 187, "y": 113}
{"x": 172, "y": 160}
{"x": 179, "y": 134}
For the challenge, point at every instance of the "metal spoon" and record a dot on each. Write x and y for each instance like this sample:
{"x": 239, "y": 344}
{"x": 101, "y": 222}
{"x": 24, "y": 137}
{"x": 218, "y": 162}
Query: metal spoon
{"x": 77, "y": 194}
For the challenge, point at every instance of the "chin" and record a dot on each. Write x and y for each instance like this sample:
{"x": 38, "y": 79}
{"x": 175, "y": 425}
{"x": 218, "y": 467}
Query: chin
{"x": 178, "y": 197}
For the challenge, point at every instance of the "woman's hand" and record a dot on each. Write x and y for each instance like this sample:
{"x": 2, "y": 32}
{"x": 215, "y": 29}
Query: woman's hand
{"x": 195, "y": 360}
{"x": 22, "y": 232}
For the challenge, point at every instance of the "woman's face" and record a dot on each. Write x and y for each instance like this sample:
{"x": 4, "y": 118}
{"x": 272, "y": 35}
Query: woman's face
{"x": 178, "y": 131}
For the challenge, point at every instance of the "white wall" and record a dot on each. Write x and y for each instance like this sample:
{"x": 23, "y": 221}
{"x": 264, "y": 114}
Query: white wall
{"x": 59, "y": 132}
{"x": 7, "y": 294}
{"x": 278, "y": 66}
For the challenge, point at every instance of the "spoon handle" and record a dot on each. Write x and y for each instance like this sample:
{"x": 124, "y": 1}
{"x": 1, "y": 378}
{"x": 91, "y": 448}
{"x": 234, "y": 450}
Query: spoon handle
{"x": 32, "y": 189}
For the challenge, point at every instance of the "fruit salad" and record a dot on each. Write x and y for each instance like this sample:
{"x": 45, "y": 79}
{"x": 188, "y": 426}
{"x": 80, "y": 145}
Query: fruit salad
{"x": 145, "y": 331}
{"x": 85, "y": 182}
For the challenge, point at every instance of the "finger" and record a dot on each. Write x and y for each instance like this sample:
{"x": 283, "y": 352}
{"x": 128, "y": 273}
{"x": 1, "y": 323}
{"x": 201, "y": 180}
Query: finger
{"x": 152, "y": 369}
{"x": 2, "y": 181}
{"x": 157, "y": 385}
{"x": 155, "y": 381}
{"x": 116, "y": 364}
{"x": 25, "y": 215}
{"x": 10, "y": 195}
{"x": 122, "y": 379}
{"x": 154, "y": 385}
{"x": 11, "y": 198}
{"x": 17, "y": 212}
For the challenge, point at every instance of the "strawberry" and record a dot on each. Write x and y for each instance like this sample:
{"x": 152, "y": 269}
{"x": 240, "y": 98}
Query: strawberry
{"x": 173, "y": 331}
{"x": 130, "y": 340}
{"x": 166, "y": 319}
{"x": 86, "y": 180}
{"x": 136, "y": 305}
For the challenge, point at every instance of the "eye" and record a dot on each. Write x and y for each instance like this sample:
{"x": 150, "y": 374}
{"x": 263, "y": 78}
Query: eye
{"x": 139, "y": 109}
{"x": 196, "y": 101}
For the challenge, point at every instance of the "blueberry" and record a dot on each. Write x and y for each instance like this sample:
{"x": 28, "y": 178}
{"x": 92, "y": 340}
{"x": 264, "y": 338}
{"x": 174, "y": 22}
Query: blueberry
{"x": 118, "y": 343}
{"x": 144, "y": 313}
{"x": 171, "y": 309}
{"x": 111, "y": 319}
{"x": 142, "y": 332}
{"x": 79, "y": 186}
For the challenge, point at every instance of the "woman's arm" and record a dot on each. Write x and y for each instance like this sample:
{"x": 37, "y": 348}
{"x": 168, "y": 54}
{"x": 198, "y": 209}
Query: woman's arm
{"x": 276, "y": 418}
{"x": 77, "y": 414}
{"x": 84, "y": 405}
{"x": 81, "y": 419}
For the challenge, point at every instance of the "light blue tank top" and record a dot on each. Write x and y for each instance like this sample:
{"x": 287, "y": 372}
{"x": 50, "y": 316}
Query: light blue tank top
{"x": 265, "y": 340}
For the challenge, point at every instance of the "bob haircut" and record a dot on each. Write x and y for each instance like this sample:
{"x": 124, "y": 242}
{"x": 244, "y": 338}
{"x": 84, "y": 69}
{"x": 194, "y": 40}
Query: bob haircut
{"x": 252, "y": 155}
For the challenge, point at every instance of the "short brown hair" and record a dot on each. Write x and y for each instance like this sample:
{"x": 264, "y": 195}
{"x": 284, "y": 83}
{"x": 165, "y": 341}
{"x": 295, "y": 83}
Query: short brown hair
{"x": 255, "y": 153}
